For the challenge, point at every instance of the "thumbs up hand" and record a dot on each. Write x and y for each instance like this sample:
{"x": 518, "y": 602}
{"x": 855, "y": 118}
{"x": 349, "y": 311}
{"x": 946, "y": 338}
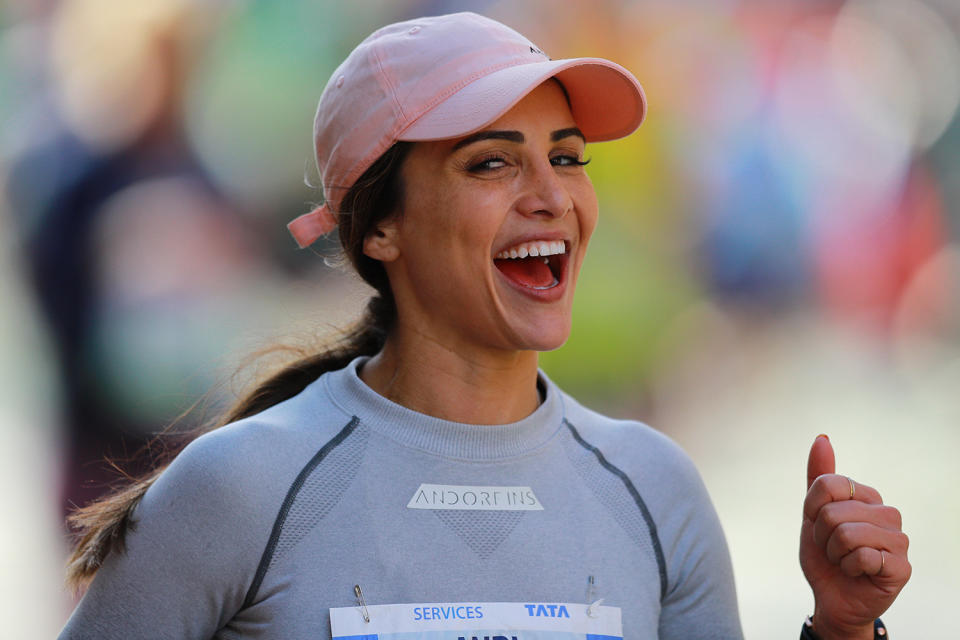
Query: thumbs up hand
{"x": 852, "y": 550}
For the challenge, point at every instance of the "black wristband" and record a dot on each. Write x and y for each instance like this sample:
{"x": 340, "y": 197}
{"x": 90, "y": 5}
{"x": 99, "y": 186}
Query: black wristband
{"x": 806, "y": 631}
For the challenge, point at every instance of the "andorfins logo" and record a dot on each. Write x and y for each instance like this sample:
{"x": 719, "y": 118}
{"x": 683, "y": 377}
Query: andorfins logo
{"x": 448, "y": 496}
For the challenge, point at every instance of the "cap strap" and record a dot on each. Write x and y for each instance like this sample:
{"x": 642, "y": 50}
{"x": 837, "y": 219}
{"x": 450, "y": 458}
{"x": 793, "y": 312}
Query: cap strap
{"x": 310, "y": 226}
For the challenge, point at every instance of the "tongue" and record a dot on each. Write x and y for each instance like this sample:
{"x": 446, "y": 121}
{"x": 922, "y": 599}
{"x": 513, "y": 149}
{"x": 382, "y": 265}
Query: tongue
{"x": 530, "y": 272}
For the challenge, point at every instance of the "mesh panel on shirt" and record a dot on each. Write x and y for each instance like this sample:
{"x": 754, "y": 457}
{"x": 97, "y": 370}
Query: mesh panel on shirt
{"x": 611, "y": 492}
{"x": 483, "y": 531}
{"x": 321, "y": 491}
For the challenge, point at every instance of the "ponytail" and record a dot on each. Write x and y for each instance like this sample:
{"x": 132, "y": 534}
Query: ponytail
{"x": 101, "y": 526}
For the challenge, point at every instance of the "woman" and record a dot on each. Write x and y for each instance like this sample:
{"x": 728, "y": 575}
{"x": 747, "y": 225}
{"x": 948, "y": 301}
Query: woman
{"x": 426, "y": 462}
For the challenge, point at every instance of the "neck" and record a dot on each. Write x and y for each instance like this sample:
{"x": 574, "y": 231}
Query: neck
{"x": 483, "y": 388}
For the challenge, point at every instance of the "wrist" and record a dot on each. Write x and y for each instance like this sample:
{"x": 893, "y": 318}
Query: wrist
{"x": 812, "y": 631}
{"x": 829, "y": 628}
{"x": 831, "y": 632}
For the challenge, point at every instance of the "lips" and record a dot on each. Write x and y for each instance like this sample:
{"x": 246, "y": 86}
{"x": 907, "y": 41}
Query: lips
{"x": 535, "y": 267}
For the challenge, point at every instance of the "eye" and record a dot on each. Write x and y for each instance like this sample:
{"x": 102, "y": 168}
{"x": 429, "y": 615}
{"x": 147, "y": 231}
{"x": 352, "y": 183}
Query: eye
{"x": 568, "y": 161}
{"x": 488, "y": 163}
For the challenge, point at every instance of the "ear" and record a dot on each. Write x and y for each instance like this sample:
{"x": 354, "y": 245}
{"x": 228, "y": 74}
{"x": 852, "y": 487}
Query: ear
{"x": 381, "y": 242}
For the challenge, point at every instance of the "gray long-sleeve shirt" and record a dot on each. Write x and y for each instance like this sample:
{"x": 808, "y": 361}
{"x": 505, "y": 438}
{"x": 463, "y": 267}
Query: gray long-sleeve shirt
{"x": 258, "y": 528}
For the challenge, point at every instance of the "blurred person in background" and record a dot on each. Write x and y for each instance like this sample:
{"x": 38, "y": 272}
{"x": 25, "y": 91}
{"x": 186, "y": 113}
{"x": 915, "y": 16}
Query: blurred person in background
{"x": 121, "y": 224}
{"x": 460, "y": 196}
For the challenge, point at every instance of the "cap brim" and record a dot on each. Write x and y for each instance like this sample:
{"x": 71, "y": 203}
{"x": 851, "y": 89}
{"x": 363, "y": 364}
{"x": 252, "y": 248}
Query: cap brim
{"x": 606, "y": 100}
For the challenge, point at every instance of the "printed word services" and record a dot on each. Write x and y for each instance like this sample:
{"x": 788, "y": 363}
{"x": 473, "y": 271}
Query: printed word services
{"x": 453, "y": 612}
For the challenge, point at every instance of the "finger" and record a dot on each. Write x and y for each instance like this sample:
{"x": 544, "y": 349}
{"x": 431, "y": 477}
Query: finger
{"x": 821, "y": 459}
{"x": 893, "y": 568}
{"x": 834, "y": 514}
{"x": 855, "y": 535}
{"x": 836, "y": 488}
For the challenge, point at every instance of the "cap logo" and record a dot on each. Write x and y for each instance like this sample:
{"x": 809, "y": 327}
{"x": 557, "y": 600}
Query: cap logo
{"x": 533, "y": 49}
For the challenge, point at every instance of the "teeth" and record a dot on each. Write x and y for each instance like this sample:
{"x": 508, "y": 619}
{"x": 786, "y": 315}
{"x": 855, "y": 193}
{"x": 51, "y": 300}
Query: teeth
{"x": 536, "y": 248}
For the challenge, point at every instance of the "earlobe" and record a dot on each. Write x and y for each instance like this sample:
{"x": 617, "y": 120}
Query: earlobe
{"x": 381, "y": 242}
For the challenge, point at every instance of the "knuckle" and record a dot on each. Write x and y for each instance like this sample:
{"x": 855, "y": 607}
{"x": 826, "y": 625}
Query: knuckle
{"x": 821, "y": 486}
{"x": 903, "y": 540}
{"x": 830, "y": 516}
{"x": 844, "y": 533}
{"x": 869, "y": 493}
{"x": 893, "y": 516}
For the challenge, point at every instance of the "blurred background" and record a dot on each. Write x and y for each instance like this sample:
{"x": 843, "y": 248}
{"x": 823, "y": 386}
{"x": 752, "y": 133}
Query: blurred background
{"x": 778, "y": 254}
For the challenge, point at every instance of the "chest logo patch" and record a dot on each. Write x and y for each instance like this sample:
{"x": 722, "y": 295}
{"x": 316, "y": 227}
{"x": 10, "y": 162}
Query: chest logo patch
{"x": 474, "y": 498}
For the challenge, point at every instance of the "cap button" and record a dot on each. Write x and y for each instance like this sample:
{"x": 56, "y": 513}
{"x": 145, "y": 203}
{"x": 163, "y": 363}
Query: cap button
{"x": 340, "y": 81}
{"x": 414, "y": 30}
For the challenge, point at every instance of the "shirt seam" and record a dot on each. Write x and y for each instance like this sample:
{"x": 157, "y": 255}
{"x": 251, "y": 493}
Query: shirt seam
{"x": 287, "y": 504}
{"x": 637, "y": 498}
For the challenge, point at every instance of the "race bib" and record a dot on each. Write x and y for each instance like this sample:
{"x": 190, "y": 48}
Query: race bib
{"x": 477, "y": 621}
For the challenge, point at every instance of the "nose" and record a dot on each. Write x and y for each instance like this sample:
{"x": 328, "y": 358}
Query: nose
{"x": 544, "y": 193}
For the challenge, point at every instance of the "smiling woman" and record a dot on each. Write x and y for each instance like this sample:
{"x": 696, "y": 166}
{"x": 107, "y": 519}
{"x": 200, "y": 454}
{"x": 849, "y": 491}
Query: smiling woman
{"x": 426, "y": 458}
{"x": 517, "y": 186}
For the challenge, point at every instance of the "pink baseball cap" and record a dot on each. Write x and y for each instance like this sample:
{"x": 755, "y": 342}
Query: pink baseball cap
{"x": 445, "y": 77}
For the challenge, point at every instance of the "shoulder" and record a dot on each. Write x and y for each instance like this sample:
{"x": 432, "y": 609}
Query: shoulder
{"x": 633, "y": 446}
{"x": 684, "y": 523}
{"x": 250, "y": 464}
{"x": 664, "y": 477}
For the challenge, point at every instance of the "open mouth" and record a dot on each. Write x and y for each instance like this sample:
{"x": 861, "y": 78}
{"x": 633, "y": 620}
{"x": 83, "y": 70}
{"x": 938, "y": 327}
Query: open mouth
{"x": 536, "y": 265}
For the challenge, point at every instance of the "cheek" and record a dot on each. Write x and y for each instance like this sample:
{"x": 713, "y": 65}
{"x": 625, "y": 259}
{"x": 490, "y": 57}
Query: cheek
{"x": 445, "y": 237}
{"x": 457, "y": 228}
{"x": 588, "y": 211}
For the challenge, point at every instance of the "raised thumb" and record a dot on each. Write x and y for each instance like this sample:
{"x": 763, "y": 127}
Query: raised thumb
{"x": 821, "y": 459}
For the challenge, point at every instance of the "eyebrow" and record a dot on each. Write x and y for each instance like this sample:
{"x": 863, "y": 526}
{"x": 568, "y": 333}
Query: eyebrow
{"x": 512, "y": 136}
{"x": 560, "y": 134}
{"x": 516, "y": 136}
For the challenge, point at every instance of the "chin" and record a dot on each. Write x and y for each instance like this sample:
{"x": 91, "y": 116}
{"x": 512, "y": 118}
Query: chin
{"x": 546, "y": 336}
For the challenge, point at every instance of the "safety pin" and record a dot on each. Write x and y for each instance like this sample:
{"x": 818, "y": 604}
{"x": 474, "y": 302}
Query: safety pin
{"x": 362, "y": 603}
{"x": 592, "y": 609}
{"x": 591, "y": 597}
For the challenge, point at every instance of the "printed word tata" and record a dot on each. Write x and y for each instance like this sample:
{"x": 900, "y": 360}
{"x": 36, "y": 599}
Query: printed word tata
{"x": 547, "y": 610}
{"x": 470, "y": 498}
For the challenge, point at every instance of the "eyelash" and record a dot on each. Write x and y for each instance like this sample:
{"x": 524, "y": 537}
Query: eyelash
{"x": 568, "y": 161}
{"x": 482, "y": 165}
{"x": 571, "y": 161}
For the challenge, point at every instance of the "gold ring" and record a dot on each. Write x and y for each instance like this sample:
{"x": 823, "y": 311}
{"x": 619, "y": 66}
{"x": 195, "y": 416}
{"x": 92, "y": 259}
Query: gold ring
{"x": 881, "y": 562}
{"x": 853, "y": 489}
